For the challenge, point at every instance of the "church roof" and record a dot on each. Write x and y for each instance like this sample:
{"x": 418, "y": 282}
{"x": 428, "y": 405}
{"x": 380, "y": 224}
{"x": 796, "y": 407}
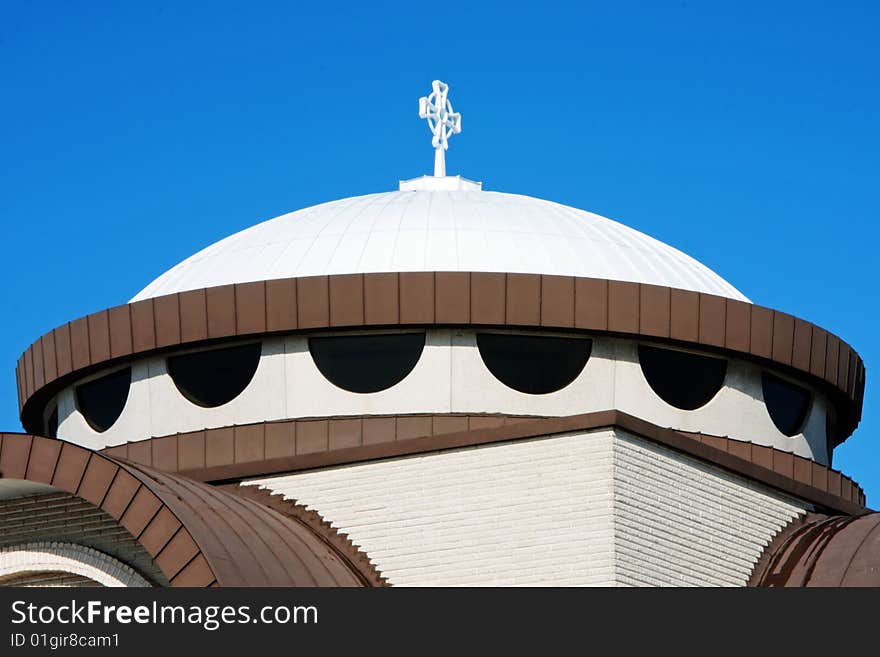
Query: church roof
{"x": 197, "y": 534}
{"x": 823, "y": 550}
{"x": 437, "y": 229}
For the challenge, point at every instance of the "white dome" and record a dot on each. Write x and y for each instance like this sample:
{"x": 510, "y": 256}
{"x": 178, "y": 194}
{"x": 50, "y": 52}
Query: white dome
{"x": 408, "y": 231}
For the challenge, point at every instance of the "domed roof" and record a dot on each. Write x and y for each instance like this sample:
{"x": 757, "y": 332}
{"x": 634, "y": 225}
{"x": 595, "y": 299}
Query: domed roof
{"x": 440, "y": 230}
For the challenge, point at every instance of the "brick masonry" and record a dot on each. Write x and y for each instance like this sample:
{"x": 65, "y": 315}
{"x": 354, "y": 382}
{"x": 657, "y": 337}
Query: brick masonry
{"x": 62, "y": 519}
{"x": 512, "y": 513}
{"x": 63, "y": 564}
{"x": 681, "y": 522}
{"x": 598, "y": 508}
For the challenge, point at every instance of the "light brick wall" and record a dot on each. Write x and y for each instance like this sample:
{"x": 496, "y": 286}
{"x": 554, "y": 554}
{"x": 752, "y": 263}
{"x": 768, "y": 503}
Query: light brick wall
{"x": 525, "y": 512}
{"x": 28, "y": 564}
{"x": 595, "y": 508}
{"x": 681, "y": 522}
{"x": 58, "y": 518}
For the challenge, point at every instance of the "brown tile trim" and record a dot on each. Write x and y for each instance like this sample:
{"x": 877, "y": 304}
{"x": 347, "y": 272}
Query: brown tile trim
{"x": 782, "y": 470}
{"x": 20, "y": 388}
{"x": 185, "y": 525}
{"x": 265, "y": 441}
{"x": 438, "y": 299}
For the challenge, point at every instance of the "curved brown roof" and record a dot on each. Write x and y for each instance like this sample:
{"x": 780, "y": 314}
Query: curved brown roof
{"x": 197, "y": 534}
{"x": 441, "y": 299}
{"x": 822, "y": 550}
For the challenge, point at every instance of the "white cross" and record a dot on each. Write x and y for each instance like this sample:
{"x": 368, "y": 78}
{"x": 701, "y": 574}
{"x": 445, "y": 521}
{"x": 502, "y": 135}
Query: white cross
{"x": 442, "y": 122}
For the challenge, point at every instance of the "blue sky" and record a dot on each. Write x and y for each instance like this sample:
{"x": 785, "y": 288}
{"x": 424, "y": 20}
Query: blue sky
{"x": 744, "y": 133}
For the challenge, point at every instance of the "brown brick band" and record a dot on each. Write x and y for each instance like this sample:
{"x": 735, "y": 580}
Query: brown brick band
{"x": 267, "y": 441}
{"x": 179, "y": 521}
{"x": 441, "y": 299}
{"x": 267, "y": 448}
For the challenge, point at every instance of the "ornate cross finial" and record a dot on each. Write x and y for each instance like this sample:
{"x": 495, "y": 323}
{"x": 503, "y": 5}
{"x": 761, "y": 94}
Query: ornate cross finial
{"x": 442, "y": 121}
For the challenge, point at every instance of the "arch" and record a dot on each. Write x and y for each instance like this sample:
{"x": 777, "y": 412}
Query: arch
{"x": 787, "y": 403}
{"x": 367, "y": 363}
{"x": 534, "y": 364}
{"x": 682, "y": 379}
{"x": 213, "y": 377}
{"x": 101, "y": 401}
{"x": 197, "y": 534}
{"x": 67, "y": 558}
